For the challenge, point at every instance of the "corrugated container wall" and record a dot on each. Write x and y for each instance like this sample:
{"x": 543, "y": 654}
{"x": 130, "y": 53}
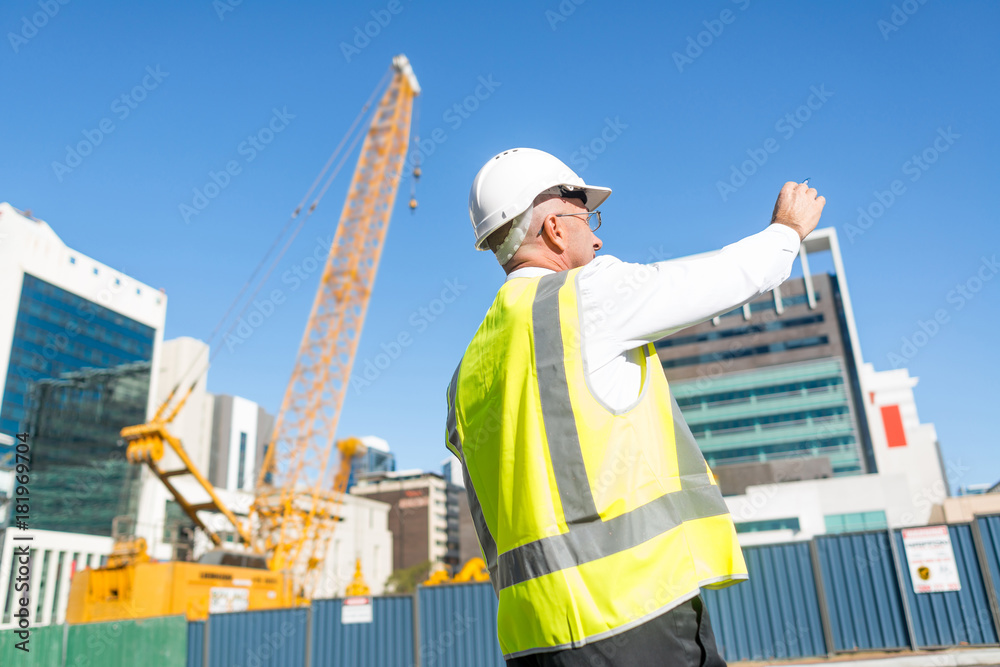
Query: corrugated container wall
{"x": 271, "y": 638}
{"x": 774, "y": 615}
{"x": 156, "y": 641}
{"x": 862, "y": 592}
{"x": 458, "y": 626}
{"x": 955, "y": 617}
{"x": 385, "y": 642}
{"x": 988, "y": 528}
{"x": 196, "y": 644}
{"x": 44, "y": 647}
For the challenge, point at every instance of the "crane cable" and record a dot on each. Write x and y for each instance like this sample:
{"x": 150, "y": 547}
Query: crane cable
{"x": 295, "y": 214}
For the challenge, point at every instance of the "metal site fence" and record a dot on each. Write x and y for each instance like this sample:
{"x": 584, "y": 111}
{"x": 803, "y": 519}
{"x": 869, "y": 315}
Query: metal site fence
{"x": 835, "y": 594}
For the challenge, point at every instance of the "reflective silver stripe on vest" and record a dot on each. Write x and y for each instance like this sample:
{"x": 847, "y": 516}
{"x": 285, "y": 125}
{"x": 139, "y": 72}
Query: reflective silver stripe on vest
{"x": 589, "y": 538}
{"x": 557, "y": 412}
{"x": 486, "y": 541}
{"x": 588, "y": 542}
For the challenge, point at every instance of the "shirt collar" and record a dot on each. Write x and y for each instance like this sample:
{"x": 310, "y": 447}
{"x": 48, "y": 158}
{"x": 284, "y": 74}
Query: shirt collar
{"x": 529, "y": 272}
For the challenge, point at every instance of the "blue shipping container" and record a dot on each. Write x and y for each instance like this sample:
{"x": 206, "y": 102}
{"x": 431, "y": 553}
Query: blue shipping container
{"x": 774, "y": 615}
{"x": 272, "y": 638}
{"x": 458, "y": 626}
{"x": 953, "y": 618}
{"x": 385, "y": 642}
{"x": 862, "y": 592}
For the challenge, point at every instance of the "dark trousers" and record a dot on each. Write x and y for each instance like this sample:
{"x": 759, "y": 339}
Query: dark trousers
{"x": 682, "y": 637}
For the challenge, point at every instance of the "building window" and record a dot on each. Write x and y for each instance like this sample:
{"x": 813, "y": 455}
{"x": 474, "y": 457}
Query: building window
{"x": 72, "y": 259}
{"x": 855, "y": 522}
{"x": 54, "y": 382}
{"x": 791, "y": 523}
{"x": 95, "y": 270}
{"x": 775, "y": 325}
{"x": 781, "y": 346}
{"x": 243, "y": 452}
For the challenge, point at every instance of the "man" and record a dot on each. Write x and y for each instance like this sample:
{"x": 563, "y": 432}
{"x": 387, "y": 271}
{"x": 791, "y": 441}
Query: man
{"x": 596, "y": 513}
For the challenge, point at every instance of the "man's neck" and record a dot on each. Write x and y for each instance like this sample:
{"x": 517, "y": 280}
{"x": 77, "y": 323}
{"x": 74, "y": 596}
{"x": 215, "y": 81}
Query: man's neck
{"x": 556, "y": 263}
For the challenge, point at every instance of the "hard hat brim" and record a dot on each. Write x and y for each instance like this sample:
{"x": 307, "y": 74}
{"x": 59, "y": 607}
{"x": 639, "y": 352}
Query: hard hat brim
{"x": 596, "y": 195}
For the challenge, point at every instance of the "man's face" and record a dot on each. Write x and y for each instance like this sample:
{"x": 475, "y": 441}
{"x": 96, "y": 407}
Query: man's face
{"x": 582, "y": 244}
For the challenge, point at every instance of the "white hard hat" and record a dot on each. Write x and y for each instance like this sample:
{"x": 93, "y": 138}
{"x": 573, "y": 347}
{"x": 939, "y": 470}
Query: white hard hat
{"x": 509, "y": 182}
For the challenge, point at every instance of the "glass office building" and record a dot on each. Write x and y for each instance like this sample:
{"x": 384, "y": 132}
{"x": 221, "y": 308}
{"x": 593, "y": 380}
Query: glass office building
{"x": 780, "y": 412}
{"x": 774, "y": 380}
{"x": 78, "y": 372}
{"x": 373, "y": 461}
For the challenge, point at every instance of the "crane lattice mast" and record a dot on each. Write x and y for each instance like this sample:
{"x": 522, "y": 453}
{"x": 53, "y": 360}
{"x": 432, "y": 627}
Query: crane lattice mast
{"x": 295, "y": 510}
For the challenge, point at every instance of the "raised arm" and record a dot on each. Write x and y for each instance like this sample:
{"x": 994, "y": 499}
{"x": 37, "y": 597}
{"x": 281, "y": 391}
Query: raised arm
{"x": 629, "y": 305}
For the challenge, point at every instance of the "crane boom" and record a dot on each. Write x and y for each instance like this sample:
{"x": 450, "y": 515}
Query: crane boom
{"x": 295, "y": 511}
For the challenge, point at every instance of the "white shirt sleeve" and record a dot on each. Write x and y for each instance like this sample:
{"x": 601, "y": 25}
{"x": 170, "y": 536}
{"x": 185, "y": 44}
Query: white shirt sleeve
{"x": 625, "y": 305}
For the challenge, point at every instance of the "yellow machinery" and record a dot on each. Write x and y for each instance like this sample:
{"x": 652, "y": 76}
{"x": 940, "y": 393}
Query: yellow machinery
{"x": 296, "y": 508}
{"x": 473, "y": 570}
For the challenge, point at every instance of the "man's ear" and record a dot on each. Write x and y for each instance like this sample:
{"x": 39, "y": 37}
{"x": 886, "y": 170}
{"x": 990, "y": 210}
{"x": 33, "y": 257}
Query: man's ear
{"x": 554, "y": 232}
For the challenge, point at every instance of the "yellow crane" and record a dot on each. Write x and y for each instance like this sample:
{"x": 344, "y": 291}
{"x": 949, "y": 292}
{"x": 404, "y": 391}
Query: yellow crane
{"x": 296, "y": 504}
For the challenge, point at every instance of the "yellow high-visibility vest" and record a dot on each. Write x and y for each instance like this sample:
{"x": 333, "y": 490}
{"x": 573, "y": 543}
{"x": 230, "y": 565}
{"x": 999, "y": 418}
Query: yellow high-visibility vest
{"x": 591, "y": 520}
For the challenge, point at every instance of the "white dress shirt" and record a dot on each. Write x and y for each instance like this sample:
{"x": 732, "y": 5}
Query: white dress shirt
{"x": 624, "y": 306}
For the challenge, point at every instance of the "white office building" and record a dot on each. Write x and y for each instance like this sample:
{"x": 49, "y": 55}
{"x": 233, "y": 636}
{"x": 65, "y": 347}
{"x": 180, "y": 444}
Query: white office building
{"x": 68, "y": 321}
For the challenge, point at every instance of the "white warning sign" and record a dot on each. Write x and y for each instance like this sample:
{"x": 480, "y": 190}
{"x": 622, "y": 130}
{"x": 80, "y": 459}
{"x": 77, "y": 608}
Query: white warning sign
{"x": 226, "y": 600}
{"x": 356, "y": 610}
{"x": 931, "y": 559}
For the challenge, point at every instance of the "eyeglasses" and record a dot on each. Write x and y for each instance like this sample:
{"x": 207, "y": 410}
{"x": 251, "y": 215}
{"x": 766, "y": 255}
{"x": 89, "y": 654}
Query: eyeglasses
{"x": 593, "y": 219}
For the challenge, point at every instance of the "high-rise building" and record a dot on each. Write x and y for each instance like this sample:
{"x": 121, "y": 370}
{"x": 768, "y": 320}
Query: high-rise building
{"x": 376, "y": 459}
{"x": 80, "y": 479}
{"x": 803, "y": 436}
{"x": 420, "y": 507}
{"x": 241, "y": 430}
{"x": 78, "y": 340}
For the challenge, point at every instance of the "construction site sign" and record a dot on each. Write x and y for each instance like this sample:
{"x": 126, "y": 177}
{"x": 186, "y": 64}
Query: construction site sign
{"x": 931, "y": 559}
{"x": 356, "y": 610}
{"x": 225, "y": 600}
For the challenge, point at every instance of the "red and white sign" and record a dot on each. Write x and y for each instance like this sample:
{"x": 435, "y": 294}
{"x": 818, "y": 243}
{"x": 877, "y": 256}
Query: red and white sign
{"x": 410, "y": 503}
{"x": 931, "y": 559}
{"x": 356, "y": 610}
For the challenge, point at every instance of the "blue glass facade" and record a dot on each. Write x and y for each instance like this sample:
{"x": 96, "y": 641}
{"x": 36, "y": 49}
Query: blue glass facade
{"x": 855, "y": 522}
{"x": 78, "y": 373}
{"x": 57, "y": 332}
{"x": 775, "y": 412}
{"x": 372, "y": 461}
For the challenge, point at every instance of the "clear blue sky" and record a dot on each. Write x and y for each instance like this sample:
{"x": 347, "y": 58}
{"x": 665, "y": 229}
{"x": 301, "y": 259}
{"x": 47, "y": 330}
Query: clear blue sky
{"x": 557, "y": 80}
